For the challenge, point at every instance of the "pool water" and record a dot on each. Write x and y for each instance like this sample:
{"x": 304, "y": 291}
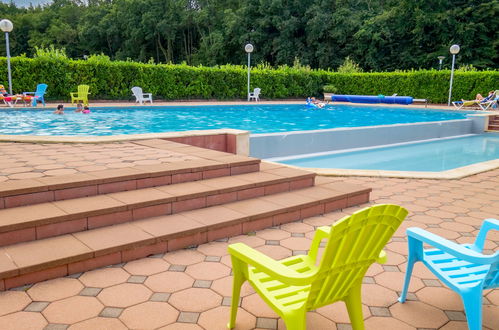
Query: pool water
{"x": 254, "y": 118}
{"x": 432, "y": 156}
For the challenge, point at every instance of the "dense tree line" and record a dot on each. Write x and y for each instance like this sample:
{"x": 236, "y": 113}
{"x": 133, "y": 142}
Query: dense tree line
{"x": 379, "y": 35}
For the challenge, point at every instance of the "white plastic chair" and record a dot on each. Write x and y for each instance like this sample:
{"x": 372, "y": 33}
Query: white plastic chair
{"x": 255, "y": 95}
{"x": 140, "y": 96}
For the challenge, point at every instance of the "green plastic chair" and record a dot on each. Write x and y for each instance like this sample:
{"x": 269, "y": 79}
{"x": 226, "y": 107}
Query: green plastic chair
{"x": 81, "y": 95}
{"x": 296, "y": 285}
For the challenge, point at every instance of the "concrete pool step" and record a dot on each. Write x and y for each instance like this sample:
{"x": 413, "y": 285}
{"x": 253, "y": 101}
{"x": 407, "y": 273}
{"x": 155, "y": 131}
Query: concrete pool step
{"x": 32, "y": 222}
{"x": 53, "y": 257}
{"x": 15, "y": 193}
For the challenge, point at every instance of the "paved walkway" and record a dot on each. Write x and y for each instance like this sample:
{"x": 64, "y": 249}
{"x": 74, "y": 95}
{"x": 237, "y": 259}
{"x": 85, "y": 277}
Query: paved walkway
{"x": 190, "y": 289}
{"x": 32, "y": 160}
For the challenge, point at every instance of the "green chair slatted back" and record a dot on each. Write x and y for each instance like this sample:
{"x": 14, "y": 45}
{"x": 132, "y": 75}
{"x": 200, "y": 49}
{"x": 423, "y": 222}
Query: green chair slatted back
{"x": 354, "y": 244}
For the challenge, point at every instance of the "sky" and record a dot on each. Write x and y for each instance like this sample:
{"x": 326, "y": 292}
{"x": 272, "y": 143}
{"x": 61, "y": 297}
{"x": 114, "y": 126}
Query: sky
{"x": 25, "y": 3}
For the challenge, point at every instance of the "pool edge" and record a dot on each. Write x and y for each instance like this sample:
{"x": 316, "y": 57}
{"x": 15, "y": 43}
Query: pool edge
{"x": 456, "y": 173}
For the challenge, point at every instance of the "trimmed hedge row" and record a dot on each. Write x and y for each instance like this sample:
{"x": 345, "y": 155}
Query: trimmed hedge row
{"x": 113, "y": 80}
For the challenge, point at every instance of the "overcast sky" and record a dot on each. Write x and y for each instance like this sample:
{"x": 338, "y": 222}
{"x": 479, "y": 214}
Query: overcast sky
{"x": 25, "y": 3}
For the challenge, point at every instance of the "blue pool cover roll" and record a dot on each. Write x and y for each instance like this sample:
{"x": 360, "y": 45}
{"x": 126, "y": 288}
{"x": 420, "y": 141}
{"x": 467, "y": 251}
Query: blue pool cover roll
{"x": 372, "y": 99}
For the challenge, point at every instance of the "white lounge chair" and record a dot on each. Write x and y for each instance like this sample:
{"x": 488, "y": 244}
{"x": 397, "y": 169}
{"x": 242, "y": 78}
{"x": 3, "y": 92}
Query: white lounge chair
{"x": 140, "y": 96}
{"x": 255, "y": 95}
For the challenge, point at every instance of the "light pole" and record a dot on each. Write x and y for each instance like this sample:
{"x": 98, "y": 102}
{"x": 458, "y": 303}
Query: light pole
{"x": 454, "y": 49}
{"x": 249, "y": 49}
{"x": 440, "y": 60}
{"x": 7, "y": 27}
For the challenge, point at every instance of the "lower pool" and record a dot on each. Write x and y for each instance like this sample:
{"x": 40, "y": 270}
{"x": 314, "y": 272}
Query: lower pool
{"x": 430, "y": 156}
{"x": 256, "y": 118}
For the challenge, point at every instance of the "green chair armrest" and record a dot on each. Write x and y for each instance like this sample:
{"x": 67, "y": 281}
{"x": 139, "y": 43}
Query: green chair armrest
{"x": 268, "y": 265}
{"x": 320, "y": 234}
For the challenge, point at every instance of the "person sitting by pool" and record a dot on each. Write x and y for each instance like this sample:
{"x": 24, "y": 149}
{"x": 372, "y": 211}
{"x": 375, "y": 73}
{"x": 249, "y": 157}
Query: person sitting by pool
{"x": 3, "y": 91}
{"x": 479, "y": 98}
{"x": 79, "y": 107}
{"x": 59, "y": 110}
{"x": 86, "y": 110}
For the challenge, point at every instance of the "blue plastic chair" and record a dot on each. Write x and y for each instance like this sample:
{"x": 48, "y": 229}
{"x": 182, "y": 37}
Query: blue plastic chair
{"x": 39, "y": 95}
{"x": 462, "y": 267}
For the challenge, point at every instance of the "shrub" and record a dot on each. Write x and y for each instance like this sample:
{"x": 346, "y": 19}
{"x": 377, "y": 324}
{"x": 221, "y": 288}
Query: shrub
{"x": 114, "y": 79}
{"x": 330, "y": 89}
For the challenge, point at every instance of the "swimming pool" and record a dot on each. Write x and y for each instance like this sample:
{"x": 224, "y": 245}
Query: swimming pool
{"x": 254, "y": 118}
{"x": 431, "y": 156}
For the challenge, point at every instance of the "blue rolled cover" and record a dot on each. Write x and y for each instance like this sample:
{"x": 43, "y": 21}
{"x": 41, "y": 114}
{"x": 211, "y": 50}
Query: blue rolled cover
{"x": 372, "y": 99}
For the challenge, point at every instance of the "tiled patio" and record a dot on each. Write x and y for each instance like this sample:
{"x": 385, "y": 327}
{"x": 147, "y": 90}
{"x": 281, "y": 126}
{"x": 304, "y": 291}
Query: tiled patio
{"x": 190, "y": 289}
{"x": 29, "y": 160}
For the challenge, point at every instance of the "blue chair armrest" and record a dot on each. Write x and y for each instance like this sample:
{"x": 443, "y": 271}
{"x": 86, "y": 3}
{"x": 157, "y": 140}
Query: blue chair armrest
{"x": 26, "y": 93}
{"x": 450, "y": 247}
{"x": 487, "y": 225}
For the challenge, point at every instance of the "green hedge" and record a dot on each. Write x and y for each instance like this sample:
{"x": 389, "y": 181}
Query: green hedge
{"x": 113, "y": 80}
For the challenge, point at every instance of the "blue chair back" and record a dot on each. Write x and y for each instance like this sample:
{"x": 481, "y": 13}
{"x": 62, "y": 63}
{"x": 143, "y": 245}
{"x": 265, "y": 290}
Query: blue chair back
{"x": 40, "y": 90}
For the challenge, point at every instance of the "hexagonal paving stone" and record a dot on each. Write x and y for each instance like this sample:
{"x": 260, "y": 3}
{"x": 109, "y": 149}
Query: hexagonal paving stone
{"x": 255, "y": 305}
{"x": 23, "y": 320}
{"x": 418, "y": 314}
{"x": 214, "y": 249}
{"x": 273, "y": 234}
{"x": 491, "y": 316}
{"x": 169, "y": 282}
{"x": 149, "y": 315}
{"x": 297, "y": 227}
{"x": 338, "y": 313}
{"x": 223, "y": 287}
{"x": 181, "y": 326}
{"x": 195, "y": 300}
{"x": 442, "y": 298}
{"x": 72, "y": 310}
{"x": 104, "y": 277}
{"x": 124, "y": 295}
{"x": 274, "y": 251}
{"x": 13, "y": 301}
{"x": 386, "y": 323}
{"x": 55, "y": 289}
{"x": 455, "y": 325}
{"x": 250, "y": 240}
{"x": 184, "y": 257}
{"x": 208, "y": 270}
{"x": 146, "y": 266}
{"x": 376, "y": 295}
{"x": 296, "y": 243}
{"x": 99, "y": 323}
{"x": 217, "y": 318}
{"x": 395, "y": 281}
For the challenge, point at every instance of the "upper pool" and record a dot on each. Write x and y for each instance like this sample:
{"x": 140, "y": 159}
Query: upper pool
{"x": 254, "y": 118}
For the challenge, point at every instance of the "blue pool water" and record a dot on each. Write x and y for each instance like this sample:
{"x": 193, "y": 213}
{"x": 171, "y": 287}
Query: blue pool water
{"x": 432, "y": 156}
{"x": 254, "y": 118}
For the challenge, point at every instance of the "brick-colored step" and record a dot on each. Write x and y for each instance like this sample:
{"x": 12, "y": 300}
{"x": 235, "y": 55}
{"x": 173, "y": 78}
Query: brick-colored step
{"x": 72, "y": 253}
{"x": 32, "y": 222}
{"x": 47, "y": 189}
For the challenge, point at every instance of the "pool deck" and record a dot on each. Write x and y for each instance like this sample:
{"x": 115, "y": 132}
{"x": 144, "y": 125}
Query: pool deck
{"x": 53, "y": 105}
{"x": 190, "y": 288}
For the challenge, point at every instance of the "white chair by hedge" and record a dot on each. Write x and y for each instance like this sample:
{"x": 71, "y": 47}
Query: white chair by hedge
{"x": 140, "y": 96}
{"x": 255, "y": 95}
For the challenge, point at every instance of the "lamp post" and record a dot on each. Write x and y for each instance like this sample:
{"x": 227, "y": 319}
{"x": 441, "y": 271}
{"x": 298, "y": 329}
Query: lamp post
{"x": 7, "y": 27}
{"x": 440, "y": 60}
{"x": 454, "y": 50}
{"x": 249, "y": 49}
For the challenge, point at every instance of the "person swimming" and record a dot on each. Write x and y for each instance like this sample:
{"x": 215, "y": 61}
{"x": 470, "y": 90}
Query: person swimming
{"x": 79, "y": 107}
{"x": 59, "y": 110}
{"x": 86, "y": 110}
